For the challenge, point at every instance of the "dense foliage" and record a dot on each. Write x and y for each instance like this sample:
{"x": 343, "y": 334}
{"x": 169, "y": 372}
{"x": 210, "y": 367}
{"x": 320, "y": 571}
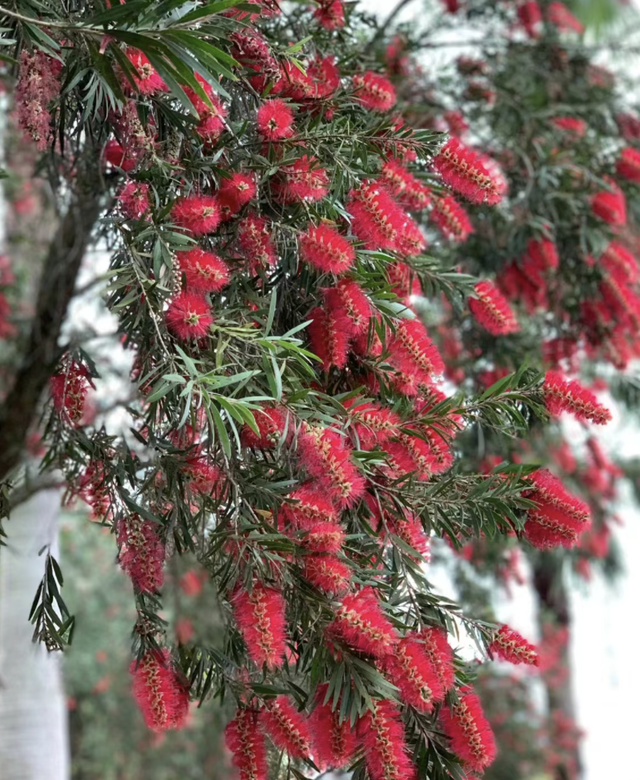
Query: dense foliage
{"x": 306, "y": 234}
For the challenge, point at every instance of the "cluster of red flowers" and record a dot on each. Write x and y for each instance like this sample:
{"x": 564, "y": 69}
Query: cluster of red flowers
{"x": 492, "y": 311}
{"x": 163, "y": 697}
{"x": 141, "y": 552}
{"x": 38, "y": 85}
{"x": 466, "y": 172}
{"x": 470, "y": 733}
{"x": 69, "y": 390}
{"x": 559, "y": 518}
{"x": 260, "y": 615}
{"x": 511, "y": 646}
{"x": 563, "y": 395}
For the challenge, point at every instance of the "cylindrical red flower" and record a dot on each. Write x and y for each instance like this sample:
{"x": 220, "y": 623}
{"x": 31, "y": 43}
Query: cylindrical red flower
{"x": 385, "y": 749}
{"x": 189, "y": 316}
{"x": 204, "y": 271}
{"x": 564, "y": 395}
{"x": 374, "y": 92}
{"x": 361, "y": 623}
{"x": 465, "y": 172}
{"x": 163, "y": 698}
{"x": 410, "y": 669}
{"x": 492, "y": 311}
{"x": 288, "y": 729}
{"x": 511, "y": 646}
{"x": 334, "y": 741}
{"x": 322, "y": 247}
{"x": 628, "y": 165}
{"x": 469, "y": 731}
{"x": 260, "y": 615}
{"x": 141, "y": 552}
{"x": 327, "y": 457}
{"x": 246, "y": 743}
{"x": 199, "y": 214}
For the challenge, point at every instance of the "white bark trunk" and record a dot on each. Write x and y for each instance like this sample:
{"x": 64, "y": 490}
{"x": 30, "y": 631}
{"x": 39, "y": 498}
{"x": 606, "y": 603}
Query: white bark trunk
{"x": 34, "y": 742}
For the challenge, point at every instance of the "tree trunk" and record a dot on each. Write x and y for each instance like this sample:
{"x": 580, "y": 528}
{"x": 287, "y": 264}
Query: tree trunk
{"x": 553, "y": 605}
{"x": 33, "y": 715}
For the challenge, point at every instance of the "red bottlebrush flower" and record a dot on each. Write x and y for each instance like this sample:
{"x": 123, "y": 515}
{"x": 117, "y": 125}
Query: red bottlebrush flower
{"x": 530, "y": 17}
{"x": 412, "y": 454}
{"x": 386, "y": 753}
{"x": 246, "y": 744}
{"x": 439, "y": 652}
{"x": 287, "y": 727}
{"x": 562, "y": 395}
{"x": 271, "y": 422}
{"x": 412, "y": 352}
{"x": 409, "y": 529}
{"x": 211, "y": 126}
{"x": 189, "y": 317}
{"x": 147, "y": 80}
{"x": 375, "y": 217}
{"x": 141, "y": 552}
{"x": 204, "y": 477}
{"x": 323, "y": 537}
{"x": 561, "y": 17}
{"x": 408, "y": 191}
{"x": 469, "y": 731}
{"x": 163, "y": 698}
{"x": 235, "y": 192}
{"x": 302, "y": 181}
{"x": 69, "y": 390}
{"x": 325, "y": 77}
{"x": 618, "y": 257}
{"x": 374, "y": 92}
{"x": 543, "y": 253}
{"x": 559, "y": 517}
{"x": 450, "y": 218}
{"x": 410, "y": 669}
{"x": 372, "y": 423}
{"x": 327, "y": 573}
{"x": 361, "y": 624}
{"x": 275, "y": 120}
{"x": 213, "y": 107}
{"x": 492, "y": 311}
{"x": 134, "y": 200}
{"x": 252, "y": 49}
{"x": 255, "y": 242}
{"x": 610, "y": 206}
{"x": 94, "y": 491}
{"x": 335, "y": 743}
{"x": 411, "y": 242}
{"x": 260, "y": 615}
{"x": 628, "y": 165}
{"x": 452, "y": 6}
{"x": 511, "y": 646}
{"x": 309, "y": 506}
{"x": 329, "y": 335}
{"x": 330, "y": 14}
{"x": 570, "y": 124}
{"x": 348, "y": 302}
{"x": 115, "y": 155}
{"x": 199, "y": 214}
{"x": 465, "y": 172}
{"x": 38, "y": 84}
{"x": 203, "y": 271}
{"x": 327, "y": 250}
{"x": 327, "y": 457}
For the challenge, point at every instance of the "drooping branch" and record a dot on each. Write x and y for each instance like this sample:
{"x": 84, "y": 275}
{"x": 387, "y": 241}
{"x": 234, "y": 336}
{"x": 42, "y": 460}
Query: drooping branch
{"x": 56, "y": 286}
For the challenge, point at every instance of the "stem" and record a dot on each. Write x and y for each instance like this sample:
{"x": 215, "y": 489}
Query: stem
{"x": 41, "y": 22}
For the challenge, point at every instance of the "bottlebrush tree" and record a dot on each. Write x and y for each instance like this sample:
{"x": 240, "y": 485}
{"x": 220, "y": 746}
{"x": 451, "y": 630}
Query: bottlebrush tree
{"x": 267, "y": 201}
